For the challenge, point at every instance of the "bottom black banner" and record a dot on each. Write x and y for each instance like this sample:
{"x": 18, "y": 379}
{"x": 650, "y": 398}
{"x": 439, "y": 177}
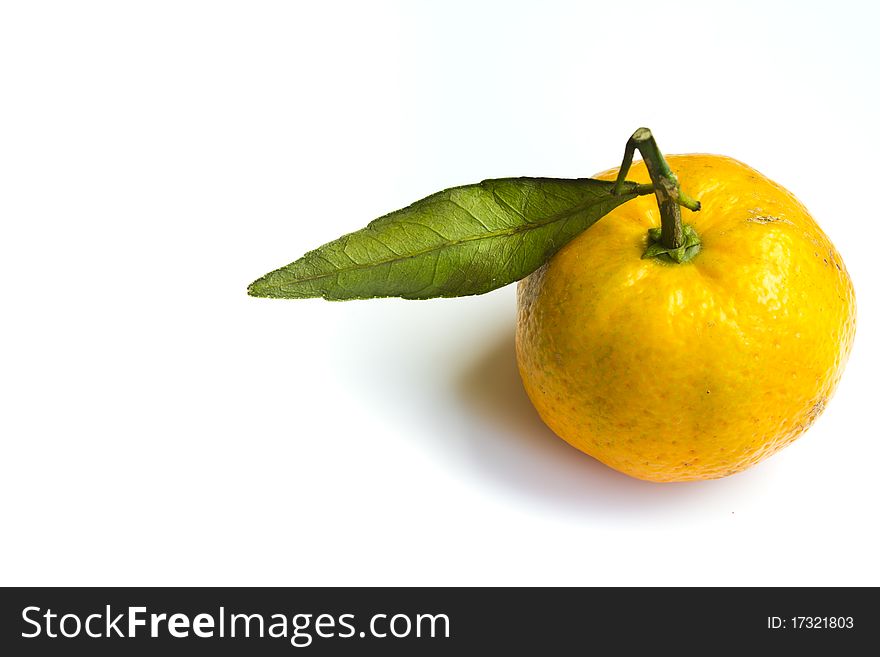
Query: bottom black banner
{"x": 257, "y": 621}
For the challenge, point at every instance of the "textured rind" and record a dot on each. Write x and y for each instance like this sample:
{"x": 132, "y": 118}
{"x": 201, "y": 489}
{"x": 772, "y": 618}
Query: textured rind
{"x": 697, "y": 371}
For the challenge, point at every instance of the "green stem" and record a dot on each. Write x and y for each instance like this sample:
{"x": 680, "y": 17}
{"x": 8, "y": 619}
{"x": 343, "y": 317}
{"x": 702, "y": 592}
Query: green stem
{"x": 666, "y": 187}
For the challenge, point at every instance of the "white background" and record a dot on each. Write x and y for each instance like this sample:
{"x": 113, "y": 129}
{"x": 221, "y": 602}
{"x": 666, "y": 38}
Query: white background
{"x": 161, "y": 427}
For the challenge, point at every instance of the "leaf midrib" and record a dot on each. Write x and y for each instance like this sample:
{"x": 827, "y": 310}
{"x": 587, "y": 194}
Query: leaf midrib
{"x": 500, "y": 233}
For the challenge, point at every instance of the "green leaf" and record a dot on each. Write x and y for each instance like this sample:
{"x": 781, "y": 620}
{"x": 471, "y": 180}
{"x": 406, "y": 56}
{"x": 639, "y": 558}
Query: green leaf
{"x": 461, "y": 241}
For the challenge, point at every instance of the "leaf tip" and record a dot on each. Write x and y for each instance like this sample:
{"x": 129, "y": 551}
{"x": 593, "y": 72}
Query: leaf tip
{"x": 258, "y": 288}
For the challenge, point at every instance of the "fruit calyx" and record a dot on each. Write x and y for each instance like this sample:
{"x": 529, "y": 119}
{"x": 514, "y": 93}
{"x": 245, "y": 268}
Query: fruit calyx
{"x": 689, "y": 248}
{"x": 673, "y": 241}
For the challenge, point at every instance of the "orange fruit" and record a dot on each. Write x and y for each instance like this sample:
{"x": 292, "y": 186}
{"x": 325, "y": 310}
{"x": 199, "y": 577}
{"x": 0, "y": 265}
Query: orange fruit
{"x": 676, "y": 372}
